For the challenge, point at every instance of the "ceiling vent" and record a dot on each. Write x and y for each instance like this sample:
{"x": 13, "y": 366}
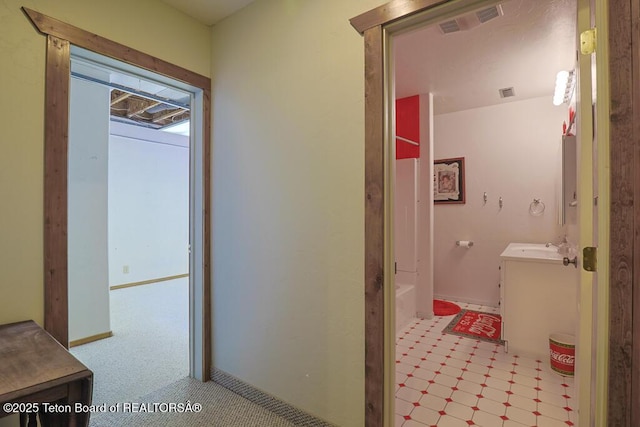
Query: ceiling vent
{"x": 470, "y": 20}
{"x": 448, "y": 27}
{"x": 489, "y": 13}
{"x": 507, "y": 92}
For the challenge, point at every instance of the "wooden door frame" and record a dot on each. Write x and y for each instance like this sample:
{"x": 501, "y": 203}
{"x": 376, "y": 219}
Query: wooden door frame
{"x": 624, "y": 40}
{"x": 60, "y": 36}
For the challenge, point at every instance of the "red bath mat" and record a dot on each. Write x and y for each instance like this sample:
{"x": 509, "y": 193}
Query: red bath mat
{"x": 444, "y": 308}
{"x": 475, "y": 324}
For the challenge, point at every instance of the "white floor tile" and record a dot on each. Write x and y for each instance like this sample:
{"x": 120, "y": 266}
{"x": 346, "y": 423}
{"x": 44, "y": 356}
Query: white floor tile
{"x": 425, "y": 416}
{"x": 478, "y": 369}
{"x": 511, "y": 423}
{"x": 552, "y": 388}
{"x": 469, "y": 387}
{"x": 412, "y": 423}
{"x": 432, "y": 401}
{"x": 473, "y": 377}
{"x": 524, "y": 391}
{"x": 520, "y": 415}
{"x": 449, "y": 421}
{"x": 525, "y": 370}
{"x": 485, "y": 419}
{"x": 552, "y": 398}
{"x": 498, "y": 383}
{"x": 408, "y": 394}
{"x": 446, "y": 380}
{"x": 553, "y": 411}
{"x": 525, "y": 380}
{"x": 440, "y": 390}
{"x": 458, "y": 410}
{"x": 403, "y": 407}
{"x": 491, "y": 406}
{"x": 497, "y": 389}
{"x": 464, "y": 398}
{"x": 500, "y": 374}
{"x": 495, "y": 394}
{"x": 424, "y": 374}
{"x": 417, "y": 383}
{"x": 543, "y": 421}
{"x": 456, "y": 363}
{"x": 451, "y": 371}
{"x": 525, "y": 403}
{"x": 404, "y": 369}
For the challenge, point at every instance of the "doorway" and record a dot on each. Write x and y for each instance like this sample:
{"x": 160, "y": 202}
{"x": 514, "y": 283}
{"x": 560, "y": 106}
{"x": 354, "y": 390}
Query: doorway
{"x": 614, "y": 20}
{"x": 128, "y": 227}
{"x": 506, "y": 149}
{"x": 60, "y": 37}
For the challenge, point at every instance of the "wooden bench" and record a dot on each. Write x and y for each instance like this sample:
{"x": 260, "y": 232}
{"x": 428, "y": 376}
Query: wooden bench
{"x": 38, "y": 376}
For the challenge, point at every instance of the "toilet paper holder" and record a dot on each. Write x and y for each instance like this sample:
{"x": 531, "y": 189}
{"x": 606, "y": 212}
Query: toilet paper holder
{"x": 464, "y": 243}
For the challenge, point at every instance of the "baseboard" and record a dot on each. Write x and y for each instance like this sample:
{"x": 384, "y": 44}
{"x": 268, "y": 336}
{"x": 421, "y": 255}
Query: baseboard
{"x": 273, "y": 404}
{"x": 92, "y": 338}
{"x": 467, "y": 300}
{"x": 147, "y": 282}
{"x": 424, "y": 315}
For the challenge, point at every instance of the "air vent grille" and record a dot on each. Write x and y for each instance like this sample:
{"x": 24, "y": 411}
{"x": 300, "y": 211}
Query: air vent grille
{"x": 449, "y": 26}
{"x": 507, "y": 92}
{"x": 489, "y": 13}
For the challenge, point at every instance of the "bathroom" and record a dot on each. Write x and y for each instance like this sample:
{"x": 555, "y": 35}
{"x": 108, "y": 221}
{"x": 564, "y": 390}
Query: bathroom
{"x": 503, "y": 136}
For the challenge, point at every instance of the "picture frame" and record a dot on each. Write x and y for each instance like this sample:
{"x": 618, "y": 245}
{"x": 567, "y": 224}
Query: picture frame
{"x": 448, "y": 181}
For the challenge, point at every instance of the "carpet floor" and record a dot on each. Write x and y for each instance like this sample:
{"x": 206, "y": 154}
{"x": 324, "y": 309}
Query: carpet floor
{"x": 147, "y": 361}
{"x": 150, "y": 344}
{"x": 220, "y": 408}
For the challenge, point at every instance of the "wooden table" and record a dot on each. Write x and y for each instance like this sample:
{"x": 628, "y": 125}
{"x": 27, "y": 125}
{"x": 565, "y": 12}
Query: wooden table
{"x": 35, "y": 370}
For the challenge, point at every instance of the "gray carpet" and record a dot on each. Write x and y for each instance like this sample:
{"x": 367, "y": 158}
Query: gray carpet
{"x": 146, "y": 361}
{"x": 150, "y": 344}
{"x": 220, "y": 407}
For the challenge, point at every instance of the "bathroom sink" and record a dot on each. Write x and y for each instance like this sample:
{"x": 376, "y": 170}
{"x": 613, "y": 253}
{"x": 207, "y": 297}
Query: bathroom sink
{"x": 532, "y": 251}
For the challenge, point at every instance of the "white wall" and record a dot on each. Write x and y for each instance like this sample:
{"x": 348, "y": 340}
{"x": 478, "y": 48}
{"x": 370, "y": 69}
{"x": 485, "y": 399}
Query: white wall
{"x": 148, "y": 204}
{"x": 511, "y": 151}
{"x": 288, "y": 205}
{"x": 87, "y": 203}
{"x": 424, "y": 290}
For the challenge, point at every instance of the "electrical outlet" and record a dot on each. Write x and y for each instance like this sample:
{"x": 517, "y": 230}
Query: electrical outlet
{"x": 125, "y": 269}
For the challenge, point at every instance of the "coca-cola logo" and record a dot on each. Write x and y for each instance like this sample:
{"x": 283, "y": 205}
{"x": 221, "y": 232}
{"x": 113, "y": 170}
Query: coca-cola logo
{"x": 566, "y": 359}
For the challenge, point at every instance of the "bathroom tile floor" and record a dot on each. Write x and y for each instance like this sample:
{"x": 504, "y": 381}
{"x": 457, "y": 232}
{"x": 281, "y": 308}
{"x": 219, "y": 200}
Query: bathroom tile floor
{"x": 447, "y": 381}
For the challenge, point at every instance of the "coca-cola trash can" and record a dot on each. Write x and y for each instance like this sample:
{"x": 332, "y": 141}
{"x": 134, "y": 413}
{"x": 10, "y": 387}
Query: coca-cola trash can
{"x": 562, "y": 350}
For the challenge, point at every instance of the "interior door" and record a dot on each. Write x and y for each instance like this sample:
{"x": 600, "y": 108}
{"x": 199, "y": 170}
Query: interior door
{"x": 592, "y": 302}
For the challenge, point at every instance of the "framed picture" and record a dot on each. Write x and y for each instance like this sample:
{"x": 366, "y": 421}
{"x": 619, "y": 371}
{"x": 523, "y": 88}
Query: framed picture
{"x": 448, "y": 181}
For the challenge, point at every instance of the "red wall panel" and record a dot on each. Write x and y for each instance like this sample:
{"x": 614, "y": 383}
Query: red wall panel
{"x": 408, "y": 126}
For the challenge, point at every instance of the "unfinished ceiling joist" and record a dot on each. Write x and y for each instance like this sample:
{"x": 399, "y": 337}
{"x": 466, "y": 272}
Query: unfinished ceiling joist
{"x": 136, "y": 109}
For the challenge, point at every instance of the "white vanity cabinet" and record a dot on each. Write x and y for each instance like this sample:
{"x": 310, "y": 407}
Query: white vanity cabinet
{"x": 538, "y": 296}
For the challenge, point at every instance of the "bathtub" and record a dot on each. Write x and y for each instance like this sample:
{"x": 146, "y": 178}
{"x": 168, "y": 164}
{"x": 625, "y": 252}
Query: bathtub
{"x": 405, "y": 305}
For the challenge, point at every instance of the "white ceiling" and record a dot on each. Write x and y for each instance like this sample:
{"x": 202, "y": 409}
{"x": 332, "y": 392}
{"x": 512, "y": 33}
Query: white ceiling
{"x": 524, "y": 49}
{"x": 208, "y": 11}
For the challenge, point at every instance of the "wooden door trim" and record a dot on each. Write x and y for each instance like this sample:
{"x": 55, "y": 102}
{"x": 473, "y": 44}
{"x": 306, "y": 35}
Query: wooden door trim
{"x": 623, "y": 408}
{"x": 390, "y": 12}
{"x": 624, "y": 378}
{"x": 60, "y": 36}
{"x": 79, "y": 37}
{"x": 374, "y": 226}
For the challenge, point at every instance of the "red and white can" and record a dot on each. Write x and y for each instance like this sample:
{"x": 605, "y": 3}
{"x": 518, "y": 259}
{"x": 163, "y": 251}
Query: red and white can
{"x": 562, "y": 350}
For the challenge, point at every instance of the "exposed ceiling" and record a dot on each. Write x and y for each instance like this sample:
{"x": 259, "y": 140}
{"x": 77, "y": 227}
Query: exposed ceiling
{"x": 135, "y": 100}
{"x": 523, "y": 49}
{"x": 148, "y": 112}
{"x": 208, "y": 12}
